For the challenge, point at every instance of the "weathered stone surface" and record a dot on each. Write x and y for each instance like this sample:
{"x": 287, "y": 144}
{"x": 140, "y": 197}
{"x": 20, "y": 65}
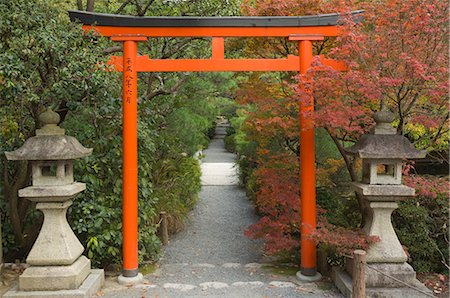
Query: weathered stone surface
{"x": 181, "y": 287}
{"x": 401, "y": 271}
{"x": 231, "y": 265}
{"x": 308, "y": 278}
{"x": 91, "y": 285}
{"x": 385, "y": 193}
{"x": 252, "y": 284}
{"x": 42, "y": 174}
{"x": 56, "y": 244}
{"x": 391, "y": 176}
{"x": 51, "y": 147}
{"x": 385, "y": 146}
{"x": 50, "y": 143}
{"x": 213, "y": 285}
{"x": 52, "y": 193}
{"x": 129, "y": 281}
{"x": 52, "y": 278}
{"x": 282, "y": 284}
{"x": 343, "y": 282}
{"x": 378, "y": 223}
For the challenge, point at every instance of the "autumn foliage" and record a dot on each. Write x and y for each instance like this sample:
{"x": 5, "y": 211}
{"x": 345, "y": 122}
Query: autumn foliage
{"x": 396, "y": 58}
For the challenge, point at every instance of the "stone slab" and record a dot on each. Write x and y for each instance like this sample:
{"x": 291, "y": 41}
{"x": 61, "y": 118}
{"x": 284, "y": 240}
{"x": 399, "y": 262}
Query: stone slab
{"x": 402, "y": 271}
{"x": 343, "y": 282}
{"x": 383, "y": 192}
{"x": 91, "y": 285}
{"x": 52, "y": 193}
{"x": 53, "y": 278}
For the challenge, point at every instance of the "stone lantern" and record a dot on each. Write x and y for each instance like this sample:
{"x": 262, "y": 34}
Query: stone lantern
{"x": 382, "y": 154}
{"x": 57, "y": 266}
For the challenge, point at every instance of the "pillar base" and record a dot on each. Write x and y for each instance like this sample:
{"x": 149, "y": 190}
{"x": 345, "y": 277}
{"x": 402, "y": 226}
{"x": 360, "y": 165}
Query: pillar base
{"x": 129, "y": 281}
{"x": 91, "y": 285}
{"x": 307, "y": 278}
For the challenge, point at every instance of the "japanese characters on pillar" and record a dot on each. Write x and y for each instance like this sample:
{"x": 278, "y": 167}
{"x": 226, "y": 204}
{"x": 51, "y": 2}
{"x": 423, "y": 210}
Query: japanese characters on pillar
{"x": 128, "y": 77}
{"x": 130, "y": 273}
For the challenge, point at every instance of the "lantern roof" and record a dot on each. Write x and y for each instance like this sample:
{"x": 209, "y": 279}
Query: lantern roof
{"x": 385, "y": 147}
{"x": 384, "y": 142}
{"x": 50, "y": 143}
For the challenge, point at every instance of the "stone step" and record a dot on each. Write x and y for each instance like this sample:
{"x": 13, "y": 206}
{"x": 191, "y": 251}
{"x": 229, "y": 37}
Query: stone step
{"x": 230, "y": 279}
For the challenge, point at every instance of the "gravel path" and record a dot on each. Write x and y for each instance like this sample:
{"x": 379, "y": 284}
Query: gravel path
{"x": 212, "y": 257}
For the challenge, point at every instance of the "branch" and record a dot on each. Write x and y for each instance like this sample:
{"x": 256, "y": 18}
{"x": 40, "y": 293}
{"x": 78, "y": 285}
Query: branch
{"x": 167, "y": 91}
{"x": 113, "y": 49}
{"x": 90, "y": 5}
{"x": 122, "y": 6}
{"x": 138, "y": 8}
{"x": 349, "y": 163}
{"x": 80, "y": 4}
{"x": 147, "y": 6}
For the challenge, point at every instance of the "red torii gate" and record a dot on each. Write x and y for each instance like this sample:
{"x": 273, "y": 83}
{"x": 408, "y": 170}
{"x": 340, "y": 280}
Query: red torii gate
{"x": 130, "y": 30}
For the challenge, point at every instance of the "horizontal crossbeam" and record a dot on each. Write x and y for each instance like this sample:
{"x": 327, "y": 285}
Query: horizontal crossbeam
{"x": 292, "y": 63}
{"x": 213, "y": 31}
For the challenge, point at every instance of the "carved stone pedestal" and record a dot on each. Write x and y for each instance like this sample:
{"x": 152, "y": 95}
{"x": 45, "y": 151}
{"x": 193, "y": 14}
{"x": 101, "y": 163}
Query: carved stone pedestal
{"x": 386, "y": 259}
{"x": 57, "y": 267}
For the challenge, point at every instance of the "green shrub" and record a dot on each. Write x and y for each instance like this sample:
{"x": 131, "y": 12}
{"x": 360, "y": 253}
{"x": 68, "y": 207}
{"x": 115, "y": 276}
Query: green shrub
{"x": 230, "y": 144}
{"x": 421, "y": 224}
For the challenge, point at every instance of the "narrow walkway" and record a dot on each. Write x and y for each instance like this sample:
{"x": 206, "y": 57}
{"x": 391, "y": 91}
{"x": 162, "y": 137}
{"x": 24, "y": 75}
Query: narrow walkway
{"x": 212, "y": 257}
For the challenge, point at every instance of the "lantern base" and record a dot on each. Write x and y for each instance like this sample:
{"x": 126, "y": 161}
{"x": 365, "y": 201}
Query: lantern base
{"x": 53, "y": 278}
{"x": 344, "y": 283}
{"x": 91, "y": 285}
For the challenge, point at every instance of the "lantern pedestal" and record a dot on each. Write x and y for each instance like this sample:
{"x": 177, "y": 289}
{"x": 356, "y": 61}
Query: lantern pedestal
{"x": 65, "y": 247}
{"x": 57, "y": 266}
{"x": 386, "y": 258}
{"x": 382, "y": 153}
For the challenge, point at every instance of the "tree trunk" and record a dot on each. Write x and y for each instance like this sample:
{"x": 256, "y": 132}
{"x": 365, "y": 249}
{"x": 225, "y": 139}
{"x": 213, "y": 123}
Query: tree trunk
{"x": 16, "y": 209}
{"x": 90, "y": 5}
{"x": 351, "y": 168}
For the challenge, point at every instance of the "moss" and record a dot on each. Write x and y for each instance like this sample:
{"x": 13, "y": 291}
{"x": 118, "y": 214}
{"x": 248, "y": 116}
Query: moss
{"x": 147, "y": 268}
{"x": 324, "y": 286}
{"x": 282, "y": 269}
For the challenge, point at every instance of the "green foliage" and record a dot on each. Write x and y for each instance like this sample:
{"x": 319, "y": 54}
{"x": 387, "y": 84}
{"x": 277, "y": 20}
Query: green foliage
{"x": 339, "y": 210}
{"x": 422, "y": 227}
{"x": 47, "y": 61}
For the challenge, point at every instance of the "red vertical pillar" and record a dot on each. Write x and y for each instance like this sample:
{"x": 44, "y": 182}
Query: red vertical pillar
{"x": 307, "y": 165}
{"x": 130, "y": 161}
{"x": 130, "y": 156}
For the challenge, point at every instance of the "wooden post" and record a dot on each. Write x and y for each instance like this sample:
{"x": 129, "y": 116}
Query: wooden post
{"x": 359, "y": 276}
{"x": 164, "y": 228}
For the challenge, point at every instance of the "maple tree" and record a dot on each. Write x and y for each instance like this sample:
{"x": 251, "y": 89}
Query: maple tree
{"x": 397, "y": 59}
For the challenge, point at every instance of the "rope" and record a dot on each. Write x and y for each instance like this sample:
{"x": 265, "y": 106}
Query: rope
{"x": 400, "y": 281}
{"x": 394, "y": 278}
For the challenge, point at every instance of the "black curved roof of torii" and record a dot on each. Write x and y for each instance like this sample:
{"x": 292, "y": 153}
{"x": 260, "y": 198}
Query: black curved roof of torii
{"x": 101, "y": 19}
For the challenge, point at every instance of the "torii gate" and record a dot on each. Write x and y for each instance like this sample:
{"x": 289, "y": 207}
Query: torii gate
{"x": 130, "y": 30}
